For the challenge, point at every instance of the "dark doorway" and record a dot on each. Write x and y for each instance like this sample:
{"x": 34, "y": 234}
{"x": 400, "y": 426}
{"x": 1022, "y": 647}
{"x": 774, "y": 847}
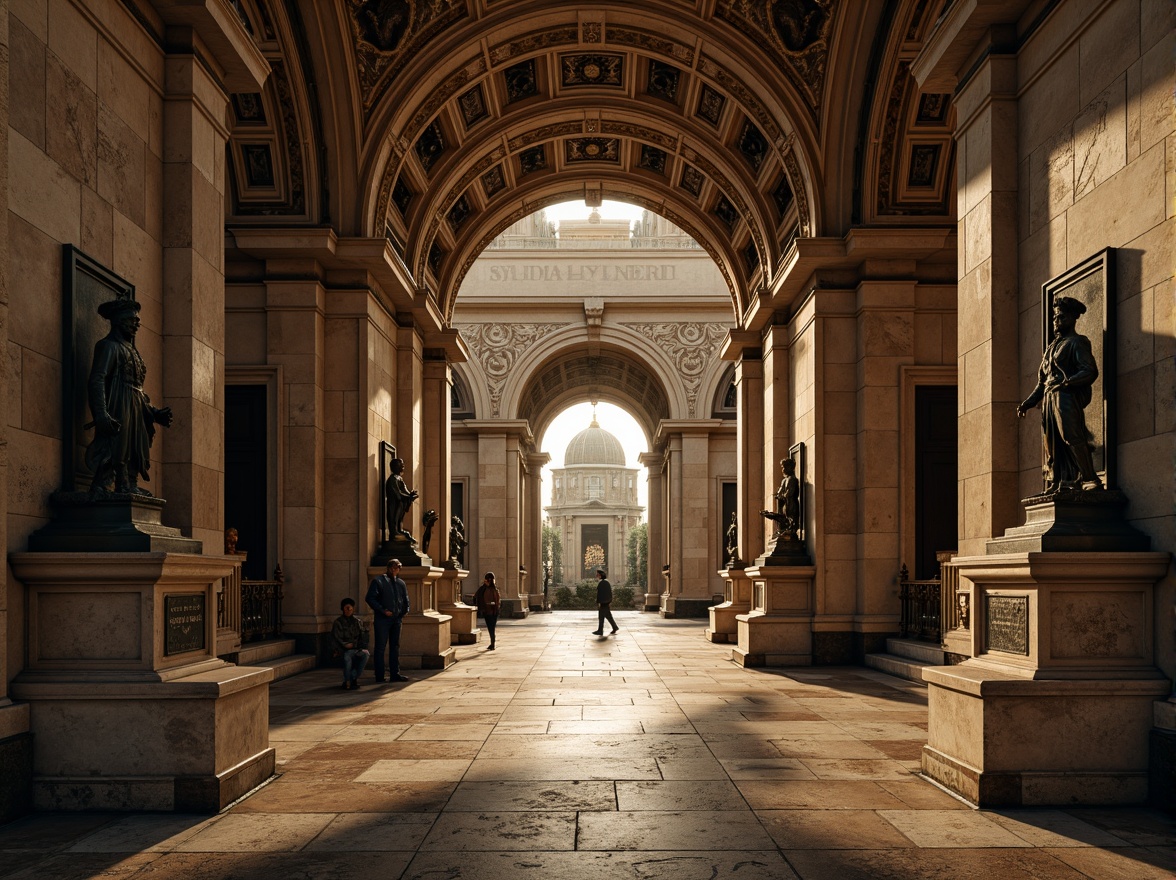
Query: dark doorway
{"x": 246, "y": 474}
{"x": 935, "y": 476}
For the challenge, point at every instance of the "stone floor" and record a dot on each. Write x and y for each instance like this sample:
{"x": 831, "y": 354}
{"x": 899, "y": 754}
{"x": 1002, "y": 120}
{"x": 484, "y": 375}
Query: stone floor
{"x": 563, "y": 755}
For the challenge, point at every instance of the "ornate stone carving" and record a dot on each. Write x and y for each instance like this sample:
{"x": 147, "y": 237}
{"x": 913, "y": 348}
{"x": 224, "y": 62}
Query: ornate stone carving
{"x": 498, "y": 348}
{"x": 652, "y": 159}
{"x": 532, "y": 159}
{"x": 691, "y": 180}
{"x": 291, "y": 148}
{"x": 710, "y": 105}
{"x": 521, "y": 81}
{"x": 544, "y": 39}
{"x": 752, "y": 145}
{"x": 544, "y": 133}
{"x": 691, "y": 346}
{"x": 590, "y": 31}
{"x": 592, "y": 149}
{"x": 458, "y": 213}
{"x": 651, "y": 42}
{"x": 795, "y": 33}
{"x": 662, "y": 81}
{"x": 743, "y": 95}
{"x": 493, "y": 182}
{"x": 440, "y": 95}
{"x": 402, "y": 196}
{"x": 596, "y": 69}
{"x": 387, "y": 34}
{"x": 473, "y": 106}
{"x": 640, "y": 132}
{"x": 794, "y": 175}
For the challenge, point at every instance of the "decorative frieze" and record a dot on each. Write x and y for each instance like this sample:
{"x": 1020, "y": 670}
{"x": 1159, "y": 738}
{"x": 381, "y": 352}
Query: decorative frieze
{"x": 498, "y": 347}
{"x": 691, "y": 345}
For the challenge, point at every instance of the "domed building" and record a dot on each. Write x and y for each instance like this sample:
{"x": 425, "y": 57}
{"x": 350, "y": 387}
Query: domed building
{"x": 594, "y": 505}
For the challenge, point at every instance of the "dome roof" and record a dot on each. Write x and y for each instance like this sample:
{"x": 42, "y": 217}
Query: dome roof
{"x": 594, "y": 445}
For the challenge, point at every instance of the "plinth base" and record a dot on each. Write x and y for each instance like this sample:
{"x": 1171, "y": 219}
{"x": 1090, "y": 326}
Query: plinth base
{"x": 1000, "y": 740}
{"x": 425, "y": 642}
{"x": 192, "y": 744}
{"x": 773, "y": 640}
{"x": 724, "y": 628}
{"x": 403, "y": 549}
{"x": 112, "y": 524}
{"x": 1073, "y": 521}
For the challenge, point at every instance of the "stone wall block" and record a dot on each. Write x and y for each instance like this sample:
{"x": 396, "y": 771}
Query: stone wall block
{"x": 35, "y": 267}
{"x": 1155, "y": 106}
{"x": 44, "y": 194}
{"x": 1136, "y": 332}
{"x": 1051, "y": 178}
{"x": 1165, "y": 401}
{"x": 342, "y": 344}
{"x": 340, "y": 508}
{"x": 1128, "y": 205}
{"x": 1108, "y": 47}
{"x": 121, "y": 157}
{"x": 13, "y": 353}
{"x": 74, "y": 40}
{"x": 97, "y": 227}
{"x": 26, "y": 71}
{"x": 1150, "y": 490}
{"x": 878, "y": 511}
{"x": 208, "y": 431}
{"x": 1100, "y": 138}
{"x": 1136, "y": 403}
{"x": 1041, "y": 256}
{"x": 880, "y": 457}
{"x": 41, "y": 383}
{"x": 71, "y": 120}
{"x": 1051, "y": 104}
{"x": 301, "y": 458}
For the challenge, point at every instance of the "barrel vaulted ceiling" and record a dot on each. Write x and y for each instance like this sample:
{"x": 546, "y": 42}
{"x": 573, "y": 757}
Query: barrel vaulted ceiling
{"x": 436, "y": 123}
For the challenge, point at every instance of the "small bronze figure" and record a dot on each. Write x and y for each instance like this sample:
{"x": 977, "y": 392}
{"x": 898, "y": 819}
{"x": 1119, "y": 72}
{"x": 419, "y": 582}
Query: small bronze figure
{"x": 457, "y": 540}
{"x": 786, "y": 516}
{"x": 124, "y": 419}
{"x": 428, "y": 521}
{"x": 398, "y": 499}
{"x": 733, "y": 540}
{"x": 1063, "y": 389}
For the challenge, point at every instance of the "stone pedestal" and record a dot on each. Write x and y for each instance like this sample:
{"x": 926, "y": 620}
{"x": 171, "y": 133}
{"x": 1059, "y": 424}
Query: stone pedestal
{"x": 463, "y": 625}
{"x": 778, "y": 629}
{"x": 1055, "y": 704}
{"x": 129, "y": 707}
{"x": 724, "y": 628}
{"x": 424, "y": 633}
{"x": 112, "y": 524}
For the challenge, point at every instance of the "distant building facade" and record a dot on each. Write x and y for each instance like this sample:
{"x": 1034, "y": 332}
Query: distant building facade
{"x": 594, "y": 505}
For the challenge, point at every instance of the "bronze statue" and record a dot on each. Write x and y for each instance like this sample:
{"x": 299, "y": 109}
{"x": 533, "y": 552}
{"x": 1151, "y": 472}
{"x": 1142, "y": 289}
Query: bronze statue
{"x": 397, "y": 500}
{"x": 1063, "y": 389}
{"x": 124, "y": 419}
{"x": 733, "y": 539}
{"x": 786, "y": 516}
{"x": 231, "y": 541}
{"x": 457, "y": 539}
{"x": 428, "y": 521}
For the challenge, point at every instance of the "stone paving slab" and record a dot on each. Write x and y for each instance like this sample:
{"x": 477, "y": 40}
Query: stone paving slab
{"x": 648, "y": 756}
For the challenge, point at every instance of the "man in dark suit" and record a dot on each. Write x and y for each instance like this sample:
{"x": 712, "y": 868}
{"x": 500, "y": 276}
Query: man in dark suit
{"x": 603, "y": 601}
{"x": 388, "y": 598}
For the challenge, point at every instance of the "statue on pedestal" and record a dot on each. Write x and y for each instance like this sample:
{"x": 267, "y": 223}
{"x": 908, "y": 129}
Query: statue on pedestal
{"x": 124, "y": 419}
{"x": 398, "y": 498}
{"x": 786, "y": 516}
{"x": 733, "y": 542}
{"x": 457, "y": 540}
{"x": 1067, "y": 371}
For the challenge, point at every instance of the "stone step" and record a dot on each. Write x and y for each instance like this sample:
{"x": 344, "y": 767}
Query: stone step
{"x": 900, "y": 667}
{"x": 252, "y": 653}
{"x": 290, "y": 665}
{"x": 912, "y": 649}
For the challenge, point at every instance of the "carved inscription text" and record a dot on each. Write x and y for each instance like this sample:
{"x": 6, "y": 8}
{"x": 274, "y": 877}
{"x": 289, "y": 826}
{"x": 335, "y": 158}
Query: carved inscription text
{"x": 1007, "y": 624}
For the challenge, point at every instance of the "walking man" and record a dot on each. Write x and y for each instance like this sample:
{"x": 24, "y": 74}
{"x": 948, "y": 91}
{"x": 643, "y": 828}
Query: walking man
{"x": 388, "y": 598}
{"x": 603, "y": 601}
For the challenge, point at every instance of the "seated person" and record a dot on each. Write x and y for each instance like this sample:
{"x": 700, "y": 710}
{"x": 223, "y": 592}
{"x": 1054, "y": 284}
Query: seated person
{"x": 350, "y": 640}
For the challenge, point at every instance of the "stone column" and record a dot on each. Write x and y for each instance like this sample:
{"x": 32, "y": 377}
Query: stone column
{"x": 533, "y": 535}
{"x": 672, "y": 486}
{"x": 749, "y": 389}
{"x": 885, "y": 341}
{"x": 296, "y": 330}
{"x": 435, "y": 471}
{"x": 195, "y": 107}
{"x": 501, "y": 444}
{"x": 986, "y": 143}
{"x": 655, "y": 583}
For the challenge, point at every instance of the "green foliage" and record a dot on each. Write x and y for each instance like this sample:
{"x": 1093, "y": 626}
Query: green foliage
{"x": 563, "y": 598}
{"x": 552, "y": 550}
{"x": 637, "y": 556}
{"x": 623, "y": 597}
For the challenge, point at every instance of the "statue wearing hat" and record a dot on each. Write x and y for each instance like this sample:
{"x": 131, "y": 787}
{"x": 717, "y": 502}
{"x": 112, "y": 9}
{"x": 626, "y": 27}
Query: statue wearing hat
{"x": 1067, "y": 371}
{"x": 124, "y": 419}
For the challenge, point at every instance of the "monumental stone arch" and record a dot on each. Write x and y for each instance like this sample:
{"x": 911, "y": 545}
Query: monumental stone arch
{"x": 892, "y": 195}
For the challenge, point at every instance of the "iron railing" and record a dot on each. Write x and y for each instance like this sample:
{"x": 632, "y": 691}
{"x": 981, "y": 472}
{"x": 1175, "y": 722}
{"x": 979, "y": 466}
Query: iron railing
{"x": 261, "y": 608}
{"x": 920, "y": 608}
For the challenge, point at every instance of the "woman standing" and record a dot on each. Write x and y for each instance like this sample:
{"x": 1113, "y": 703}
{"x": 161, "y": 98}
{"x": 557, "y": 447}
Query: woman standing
{"x": 487, "y": 600}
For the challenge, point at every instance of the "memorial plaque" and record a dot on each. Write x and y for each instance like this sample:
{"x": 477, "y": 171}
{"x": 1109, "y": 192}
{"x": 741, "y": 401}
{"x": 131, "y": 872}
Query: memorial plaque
{"x": 1006, "y": 624}
{"x": 183, "y": 624}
